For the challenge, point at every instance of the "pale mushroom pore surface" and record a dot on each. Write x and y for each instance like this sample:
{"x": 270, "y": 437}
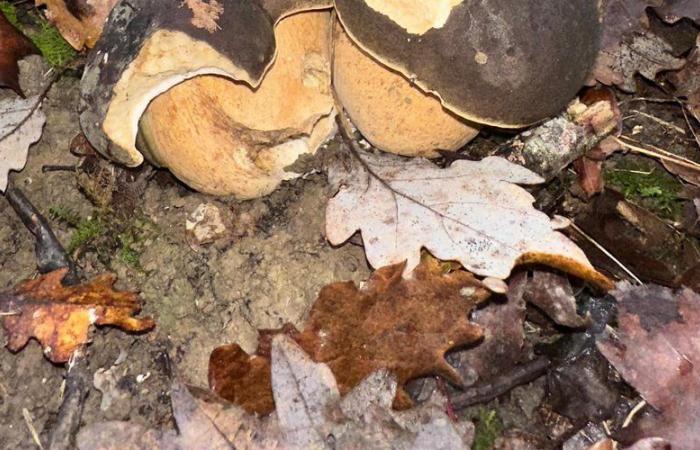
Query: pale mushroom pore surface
{"x": 390, "y": 112}
{"x": 415, "y": 16}
{"x": 222, "y": 137}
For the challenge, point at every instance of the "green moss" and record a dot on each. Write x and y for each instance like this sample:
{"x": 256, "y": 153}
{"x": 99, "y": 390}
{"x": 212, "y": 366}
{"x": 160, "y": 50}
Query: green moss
{"x": 10, "y": 12}
{"x": 86, "y": 231}
{"x": 488, "y": 429}
{"x": 647, "y": 185}
{"x": 127, "y": 253}
{"x": 57, "y": 52}
{"x": 52, "y": 46}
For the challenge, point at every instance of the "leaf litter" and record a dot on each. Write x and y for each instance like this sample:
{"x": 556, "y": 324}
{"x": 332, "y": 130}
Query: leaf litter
{"x": 403, "y": 326}
{"x": 309, "y": 415}
{"x": 472, "y": 212}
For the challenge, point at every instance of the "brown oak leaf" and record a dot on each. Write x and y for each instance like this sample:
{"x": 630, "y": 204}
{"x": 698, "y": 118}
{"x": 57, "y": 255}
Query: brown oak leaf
{"x": 657, "y": 350}
{"x": 13, "y": 47}
{"x": 59, "y": 317}
{"x": 403, "y": 325}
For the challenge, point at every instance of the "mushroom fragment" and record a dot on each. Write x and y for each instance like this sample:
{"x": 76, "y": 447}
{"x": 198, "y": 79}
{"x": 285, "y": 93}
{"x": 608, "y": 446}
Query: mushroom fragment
{"x": 495, "y": 62}
{"x": 149, "y": 46}
{"x": 222, "y": 137}
{"x": 392, "y": 114}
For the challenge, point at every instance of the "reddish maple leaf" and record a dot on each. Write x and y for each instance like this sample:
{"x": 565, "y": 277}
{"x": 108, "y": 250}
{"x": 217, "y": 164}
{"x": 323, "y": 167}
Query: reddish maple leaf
{"x": 405, "y": 326}
{"x": 13, "y": 47}
{"x": 59, "y": 317}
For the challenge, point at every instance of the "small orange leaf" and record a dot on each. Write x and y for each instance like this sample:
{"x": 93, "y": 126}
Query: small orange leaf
{"x": 404, "y": 326}
{"x": 59, "y": 317}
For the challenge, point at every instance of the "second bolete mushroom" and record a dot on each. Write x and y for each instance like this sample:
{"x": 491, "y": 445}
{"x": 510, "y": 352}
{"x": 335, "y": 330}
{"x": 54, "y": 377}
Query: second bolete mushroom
{"x": 223, "y": 137}
{"x": 494, "y": 62}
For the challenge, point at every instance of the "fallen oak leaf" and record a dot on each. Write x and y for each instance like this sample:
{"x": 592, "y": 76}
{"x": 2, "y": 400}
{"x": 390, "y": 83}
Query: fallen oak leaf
{"x": 309, "y": 415}
{"x": 473, "y": 212}
{"x": 15, "y": 46}
{"x": 21, "y": 125}
{"x": 404, "y": 326}
{"x": 59, "y": 317}
{"x": 656, "y": 349}
{"x": 687, "y": 81}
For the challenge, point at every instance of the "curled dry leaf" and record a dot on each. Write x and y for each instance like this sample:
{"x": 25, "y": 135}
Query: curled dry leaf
{"x": 21, "y": 124}
{"x": 472, "y": 212}
{"x": 628, "y": 47}
{"x": 687, "y": 81}
{"x": 404, "y": 326}
{"x": 79, "y": 21}
{"x": 657, "y": 350}
{"x": 674, "y": 10}
{"x": 309, "y": 415}
{"x": 59, "y": 317}
{"x": 15, "y": 46}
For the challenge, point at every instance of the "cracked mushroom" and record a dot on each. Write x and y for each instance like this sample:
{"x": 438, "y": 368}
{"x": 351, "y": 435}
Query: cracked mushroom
{"x": 495, "y": 62}
{"x": 225, "y": 112}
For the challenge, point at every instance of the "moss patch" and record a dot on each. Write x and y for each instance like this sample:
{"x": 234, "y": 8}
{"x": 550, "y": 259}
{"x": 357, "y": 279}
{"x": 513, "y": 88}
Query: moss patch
{"x": 648, "y": 185}
{"x": 110, "y": 239}
{"x": 488, "y": 428}
{"x": 57, "y": 52}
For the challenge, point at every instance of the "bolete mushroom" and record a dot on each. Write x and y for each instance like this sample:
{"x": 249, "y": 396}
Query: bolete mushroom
{"x": 392, "y": 114}
{"x": 493, "y": 62}
{"x": 235, "y": 135}
{"x": 222, "y": 137}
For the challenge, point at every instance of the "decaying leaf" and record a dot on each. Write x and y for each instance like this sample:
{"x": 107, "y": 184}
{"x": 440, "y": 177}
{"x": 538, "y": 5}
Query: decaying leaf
{"x": 674, "y": 10}
{"x": 15, "y": 46}
{"x": 640, "y": 240}
{"x": 472, "y": 212}
{"x": 628, "y": 47}
{"x": 309, "y": 415}
{"x": 552, "y": 293}
{"x": 59, "y": 317}
{"x": 21, "y": 124}
{"x": 79, "y": 21}
{"x": 404, "y": 326}
{"x": 504, "y": 339}
{"x": 657, "y": 350}
{"x": 687, "y": 81}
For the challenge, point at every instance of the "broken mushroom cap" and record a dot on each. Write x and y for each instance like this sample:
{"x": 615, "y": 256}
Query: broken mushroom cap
{"x": 391, "y": 113}
{"x": 222, "y": 137}
{"x": 149, "y": 46}
{"x": 502, "y": 63}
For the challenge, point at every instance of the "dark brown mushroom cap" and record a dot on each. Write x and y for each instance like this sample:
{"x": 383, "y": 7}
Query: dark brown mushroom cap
{"x": 148, "y": 46}
{"x": 498, "y": 62}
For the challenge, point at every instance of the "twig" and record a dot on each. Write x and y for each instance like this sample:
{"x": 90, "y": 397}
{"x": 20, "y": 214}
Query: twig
{"x": 638, "y": 407}
{"x": 657, "y": 154}
{"x": 661, "y": 122}
{"x": 605, "y": 252}
{"x": 61, "y": 434}
{"x": 30, "y": 424}
{"x": 54, "y": 168}
{"x": 49, "y": 252}
{"x": 500, "y": 385}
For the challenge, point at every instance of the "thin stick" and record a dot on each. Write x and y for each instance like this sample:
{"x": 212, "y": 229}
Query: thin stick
{"x": 49, "y": 252}
{"x": 30, "y": 424}
{"x": 500, "y": 385}
{"x": 661, "y": 122}
{"x": 655, "y": 154}
{"x": 660, "y": 150}
{"x": 633, "y": 413}
{"x": 605, "y": 252}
